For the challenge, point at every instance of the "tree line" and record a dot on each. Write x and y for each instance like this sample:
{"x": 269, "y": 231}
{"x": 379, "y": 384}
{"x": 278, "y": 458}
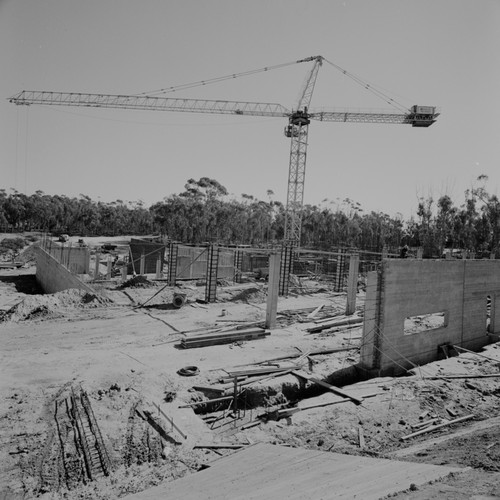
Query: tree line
{"x": 204, "y": 213}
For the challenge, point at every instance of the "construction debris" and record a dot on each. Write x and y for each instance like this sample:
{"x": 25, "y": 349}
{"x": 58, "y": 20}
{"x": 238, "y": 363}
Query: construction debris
{"x": 217, "y": 446}
{"x": 189, "y": 371}
{"x": 335, "y": 324}
{"x": 227, "y": 337}
{"x": 437, "y": 426}
{"x": 330, "y": 387}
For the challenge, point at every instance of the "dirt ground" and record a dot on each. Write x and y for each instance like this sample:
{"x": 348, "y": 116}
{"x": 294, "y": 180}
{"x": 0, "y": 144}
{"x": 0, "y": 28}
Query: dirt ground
{"x": 60, "y": 348}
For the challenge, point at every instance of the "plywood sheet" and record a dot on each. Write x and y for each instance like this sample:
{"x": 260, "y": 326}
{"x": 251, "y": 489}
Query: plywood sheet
{"x": 265, "y": 471}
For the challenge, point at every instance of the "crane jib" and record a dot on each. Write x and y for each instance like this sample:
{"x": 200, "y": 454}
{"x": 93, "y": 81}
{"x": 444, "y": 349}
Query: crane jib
{"x": 296, "y": 130}
{"x": 149, "y": 103}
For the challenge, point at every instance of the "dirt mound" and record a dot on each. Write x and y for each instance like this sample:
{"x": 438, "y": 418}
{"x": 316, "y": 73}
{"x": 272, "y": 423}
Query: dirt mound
{"x": 137, "y": 282}
{"x": 253, "y": 295}
{"x": 50, "y": 306}
{"x": 28, "y": 254}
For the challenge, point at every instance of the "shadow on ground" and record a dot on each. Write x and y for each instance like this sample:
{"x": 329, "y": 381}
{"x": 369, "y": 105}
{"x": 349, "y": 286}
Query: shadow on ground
{"x": 25, "y": 283}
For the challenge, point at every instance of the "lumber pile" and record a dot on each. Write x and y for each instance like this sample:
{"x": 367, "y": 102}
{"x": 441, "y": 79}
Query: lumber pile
{"x": 308, "y": 314}
{"x": 225, "y": 337}
{"x": 340, "y": 323}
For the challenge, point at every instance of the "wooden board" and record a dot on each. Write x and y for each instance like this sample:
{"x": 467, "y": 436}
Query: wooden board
{"x": 264, "y": 471}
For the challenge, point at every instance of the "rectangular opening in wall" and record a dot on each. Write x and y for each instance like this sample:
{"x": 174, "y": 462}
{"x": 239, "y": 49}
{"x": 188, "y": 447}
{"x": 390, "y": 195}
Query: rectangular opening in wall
{"x": 425, "y": 322}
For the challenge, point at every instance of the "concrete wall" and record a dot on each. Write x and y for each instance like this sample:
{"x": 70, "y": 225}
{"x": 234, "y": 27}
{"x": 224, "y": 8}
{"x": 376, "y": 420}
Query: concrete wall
{"x": 192, "y": 263}
{"x": 54, "y": 277}
{"x": 151, "y": 251}
{"x": 75, "y": 258}
{"x": 404, "y": 288}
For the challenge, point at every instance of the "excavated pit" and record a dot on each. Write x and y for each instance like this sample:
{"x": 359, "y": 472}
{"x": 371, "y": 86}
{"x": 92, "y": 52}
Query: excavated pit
{"x": 290, "y": 391}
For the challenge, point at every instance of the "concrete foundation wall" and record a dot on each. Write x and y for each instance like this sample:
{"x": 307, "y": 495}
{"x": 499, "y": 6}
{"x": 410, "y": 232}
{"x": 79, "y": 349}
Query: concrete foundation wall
{"x": 75, "y": 258}
{"x": 405, "y": 288}
{"x": 54, "y": 277}
{"x": 192, "y": 263}
{"x": 152, "y": 251}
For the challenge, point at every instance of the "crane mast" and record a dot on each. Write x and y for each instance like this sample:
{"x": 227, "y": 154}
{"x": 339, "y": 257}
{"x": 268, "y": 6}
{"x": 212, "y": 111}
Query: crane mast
{"x": 297, "y": 129}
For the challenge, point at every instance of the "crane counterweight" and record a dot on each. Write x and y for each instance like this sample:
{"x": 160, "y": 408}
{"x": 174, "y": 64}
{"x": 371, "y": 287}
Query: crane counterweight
{"x": 423, "y": 116}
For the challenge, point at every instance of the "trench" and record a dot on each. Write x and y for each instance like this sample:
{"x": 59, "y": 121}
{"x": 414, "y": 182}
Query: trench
{"x": 289, "y": 392}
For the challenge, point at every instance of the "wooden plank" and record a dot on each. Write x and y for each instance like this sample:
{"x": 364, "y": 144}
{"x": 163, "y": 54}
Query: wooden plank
{"x": 254, "y": 423}
{"x": 458, "y": 348}
{"x": 297, "y": 355}
{"x": 330, "y": 387}
{"x": 219, "y": 340}
{"x": 265, "y": 377}
{"x": 361, "y": 437}
{"x": 227, "y": 333}
{"x": 302, "y": 358}
{"x": 315, "y": 312}
{"x": 337, "y": 401}
{"x": 329, "y": 318}
{"x": 252, "y": 380}
{"x": 324, "y": 326}
{"x": 438, "y": 426}
{"x": 170, "y": 421}
{"x": 446, "y": 377}
{"x": 206, "y": 402}
{"x": 256, "y": 371}
{"x": 420, "y": 425}
{"x": 209, "y": 388}
{"x": 220, "y": 446}
{"x": 153, "y": 422}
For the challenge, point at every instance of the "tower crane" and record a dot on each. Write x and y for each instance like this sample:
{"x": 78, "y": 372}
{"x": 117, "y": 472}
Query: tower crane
{"x": 297, "y": 128}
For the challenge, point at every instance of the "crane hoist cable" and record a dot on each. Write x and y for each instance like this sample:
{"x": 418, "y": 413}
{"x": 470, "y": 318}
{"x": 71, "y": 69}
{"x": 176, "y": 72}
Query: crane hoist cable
{"x": 218, "y": 79}
{"x": 378, "y": 93}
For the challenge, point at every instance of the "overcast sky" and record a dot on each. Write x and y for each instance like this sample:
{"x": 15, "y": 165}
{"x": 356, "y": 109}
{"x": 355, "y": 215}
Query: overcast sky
{"x": 443, "y": 53}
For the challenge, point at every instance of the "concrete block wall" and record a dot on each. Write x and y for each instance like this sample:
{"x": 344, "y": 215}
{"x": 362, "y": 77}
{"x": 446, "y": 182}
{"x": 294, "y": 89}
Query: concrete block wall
{"x": 405, "y": 288}
{"x": 54, "y": 277}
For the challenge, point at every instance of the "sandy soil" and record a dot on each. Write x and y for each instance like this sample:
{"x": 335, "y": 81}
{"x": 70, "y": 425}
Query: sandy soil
{"x": 127, "y": 358}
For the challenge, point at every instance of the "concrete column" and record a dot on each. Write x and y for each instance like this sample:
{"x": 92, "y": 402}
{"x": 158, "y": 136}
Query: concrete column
{"x": 211, "y": 274}
{"x": 172, "y": 263}
{"x": 420, "y": 253}
{"x": 96, "y": 270}
{"x": 352, "y": 284}
{"x": 108, "y": 270}
{"x": 238, "y": 259}
{"x": 273, "y": 289}
{"x": 124, "y": 273}
{"x": 68, "y": 256}
{"x": 142, "y": 265}
{"x": 339, "y": 273}
{"x": 287, "y": 255}
{"x": 492, "y": 255}
{"x": 158, "y": 267}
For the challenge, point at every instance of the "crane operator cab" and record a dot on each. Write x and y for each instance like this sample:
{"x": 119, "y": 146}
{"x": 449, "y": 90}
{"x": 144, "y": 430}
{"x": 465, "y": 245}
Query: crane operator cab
{"x": 297, "y": 120}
